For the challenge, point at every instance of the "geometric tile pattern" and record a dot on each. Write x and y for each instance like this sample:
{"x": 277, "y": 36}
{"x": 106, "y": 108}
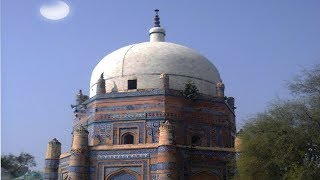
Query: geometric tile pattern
{"x": 128, "y": 125}
{"x": 95, "y": 154}
{"x": 153, "y": 130}
{"x": 109, "y": 170}
{"x": 52, "y": 163}
{"x": 123, "y": 156}
{"x": 166, "y": 165}
{"x": 123, "y": 176}
{"x": 126, "y": 165}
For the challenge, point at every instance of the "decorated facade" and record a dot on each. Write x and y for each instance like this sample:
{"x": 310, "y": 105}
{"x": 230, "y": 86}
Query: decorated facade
{"x": 156, "y": 110}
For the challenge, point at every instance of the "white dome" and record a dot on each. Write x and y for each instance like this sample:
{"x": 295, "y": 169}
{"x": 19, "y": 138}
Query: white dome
{"x": 146, "y": 61}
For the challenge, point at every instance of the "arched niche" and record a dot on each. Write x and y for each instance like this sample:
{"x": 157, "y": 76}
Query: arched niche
{"x": 204, "y": 175}
{"x": 127, "y": 138}
{"x": 123, "y": 174}
{"x": 196, "y": 140}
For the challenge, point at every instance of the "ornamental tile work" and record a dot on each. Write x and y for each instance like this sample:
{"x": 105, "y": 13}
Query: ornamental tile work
{"x": 122, "y": 126}
{"x": 214, "y": 136}
{"x": 52, "y": 167}
{"x": 106, "y": 122}
{"x": 110, "y": 170}
{"x": 64, "y": 161}
{"x": 130, "y": 107}
{"x": 152, "y": 128}
{"x": 166, "y": 165}
{"x": 150, "y": 92}
{"x": 166, "y": 149}
{"x": 153, "y": 167}
{"x": 52, "y": 163}
{"x": 131, "y": 165}
{"x": 211, "y": 154}
{"x": 99, "y": 131}
{"x": 123, "y": 156}
{"x": 127, "y": 116}
{"x": 77, "y": 169}
{"x": 95, "y": 154}
{"x": 149, "y": 131}
{"x": 155, "y": 177}
{"x": 123, "y": 176}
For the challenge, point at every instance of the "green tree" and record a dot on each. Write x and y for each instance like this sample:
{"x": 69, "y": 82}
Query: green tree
{"x": 17, "y": 165}
{"x": 190, "y": 90}
{"x": 284, "y": 141}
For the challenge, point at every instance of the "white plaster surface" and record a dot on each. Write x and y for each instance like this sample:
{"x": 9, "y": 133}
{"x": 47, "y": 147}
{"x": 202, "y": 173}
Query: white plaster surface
{"x": 157, "y": 34}
{"x": 146, "y": 61}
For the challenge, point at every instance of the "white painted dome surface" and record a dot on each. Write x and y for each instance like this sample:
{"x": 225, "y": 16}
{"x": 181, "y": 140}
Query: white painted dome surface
{"x": 147, "y": 61}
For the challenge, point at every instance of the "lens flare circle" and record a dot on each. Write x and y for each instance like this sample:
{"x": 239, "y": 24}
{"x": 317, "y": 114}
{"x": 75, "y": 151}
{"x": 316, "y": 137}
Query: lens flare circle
{"x": 55, "y": 11}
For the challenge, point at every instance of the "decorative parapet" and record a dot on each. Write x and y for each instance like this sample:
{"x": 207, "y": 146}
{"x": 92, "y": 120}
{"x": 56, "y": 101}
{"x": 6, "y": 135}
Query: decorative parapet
{"x": 54, "y": 141}
{"x": 167, "y": 125}
{"x": 124, "y": 146}
{"x": 150, "y": 92}
{"x": 53, "y": 149}
{"x": 81, "y": 130}
{"x": 76, "y": 151}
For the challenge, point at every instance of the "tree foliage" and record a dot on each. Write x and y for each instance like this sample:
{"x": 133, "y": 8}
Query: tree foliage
{"x": 307, "y": 83}
{"x": 17, "y": 165}
{"x": 190, "y": 91}
{"x": 284, "y": 141}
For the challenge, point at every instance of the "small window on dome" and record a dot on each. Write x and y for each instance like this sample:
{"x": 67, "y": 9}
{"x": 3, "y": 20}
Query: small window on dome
{"x": 132, "y": 84}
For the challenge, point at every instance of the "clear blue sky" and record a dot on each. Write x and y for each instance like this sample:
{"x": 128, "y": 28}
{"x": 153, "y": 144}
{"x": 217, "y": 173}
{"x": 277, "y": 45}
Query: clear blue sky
{"x": 256, "y": 45}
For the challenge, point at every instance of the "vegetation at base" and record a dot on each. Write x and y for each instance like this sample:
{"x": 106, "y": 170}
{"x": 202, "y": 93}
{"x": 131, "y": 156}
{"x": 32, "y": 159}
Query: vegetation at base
{"x": 18, "y": 165}
{"x": 284, "y": 141}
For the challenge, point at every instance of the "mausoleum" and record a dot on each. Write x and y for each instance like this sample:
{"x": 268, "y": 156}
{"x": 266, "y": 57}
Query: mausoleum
{"x": 156, "y": 110}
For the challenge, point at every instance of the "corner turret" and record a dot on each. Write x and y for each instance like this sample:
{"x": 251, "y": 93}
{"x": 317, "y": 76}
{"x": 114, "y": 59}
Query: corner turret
{"x": 78, "y": 164}
{"x": 167, "y": 165}
{"x": 52, "y": 160}
{"x": 167, "y": 136}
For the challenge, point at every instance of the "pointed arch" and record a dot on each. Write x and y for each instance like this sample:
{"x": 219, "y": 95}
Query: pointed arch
{"x": 204, "y": 175}
{"x": 123, "y": 174}
{"x": 127, "y": 138}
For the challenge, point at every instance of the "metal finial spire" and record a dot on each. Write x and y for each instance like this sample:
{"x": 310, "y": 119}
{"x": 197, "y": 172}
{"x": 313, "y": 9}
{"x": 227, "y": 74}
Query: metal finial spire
{"x": 156, "y": 18}
{"x": 101, "y": 76}
{"x": 157, "y": 33}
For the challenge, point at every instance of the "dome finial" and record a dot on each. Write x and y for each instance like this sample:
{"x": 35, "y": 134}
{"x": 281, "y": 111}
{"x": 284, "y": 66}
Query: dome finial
{"x": 156, "y": 18}
{"x": 157, "y": 33}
